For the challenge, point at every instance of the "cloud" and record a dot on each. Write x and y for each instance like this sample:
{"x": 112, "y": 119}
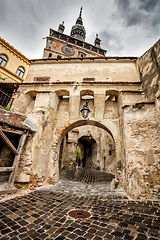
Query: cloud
{"x": 111, "y": 42}
{"x": 24, "y": 23}
{"x": 126, "y": 27}
{"x": 139, "y": 12}
{"x": 123, "y": 4}
{"x": 148, "y": 5}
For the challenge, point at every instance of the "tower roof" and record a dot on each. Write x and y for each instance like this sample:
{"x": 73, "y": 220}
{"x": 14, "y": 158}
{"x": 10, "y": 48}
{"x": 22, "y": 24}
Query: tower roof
{"x": 61, "y": 27}
{"x": 78, "y": 31}
{"x": 97, "y": 41}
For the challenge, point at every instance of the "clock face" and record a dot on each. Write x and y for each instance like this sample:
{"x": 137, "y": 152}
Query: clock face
{"x": 68, "y": 50}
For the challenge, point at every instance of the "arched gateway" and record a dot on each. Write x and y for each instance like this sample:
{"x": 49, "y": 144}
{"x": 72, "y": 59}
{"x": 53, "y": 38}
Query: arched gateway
{"x": 112, "y": 132}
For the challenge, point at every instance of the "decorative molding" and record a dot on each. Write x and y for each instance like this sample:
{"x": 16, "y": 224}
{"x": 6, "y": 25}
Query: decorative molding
{"x": 41, "y": 79}
{"x": 88, "y": 79}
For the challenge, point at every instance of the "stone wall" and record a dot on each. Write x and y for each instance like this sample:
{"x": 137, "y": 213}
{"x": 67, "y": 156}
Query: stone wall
{"x": 142, "y": 151}
{"x": 54, "y": 107}
{"x": 149, "y": 70}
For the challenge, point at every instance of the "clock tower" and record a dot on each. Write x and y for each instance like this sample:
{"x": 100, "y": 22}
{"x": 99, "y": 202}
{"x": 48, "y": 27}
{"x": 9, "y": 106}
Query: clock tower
{"x": 60, "y": 45}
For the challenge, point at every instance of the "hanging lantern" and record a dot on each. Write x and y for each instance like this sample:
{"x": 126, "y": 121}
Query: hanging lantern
{"x": 85, "y": 111}
{"x": 90, "y": 136}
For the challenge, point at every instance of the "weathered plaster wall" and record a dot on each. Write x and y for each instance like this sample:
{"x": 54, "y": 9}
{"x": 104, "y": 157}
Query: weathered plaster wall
{"x": 101, "y": 70}
{"x": 25, "y": 164}
{"x": 142, "y": 151}
{"x": 70, "y": 158}
{"x": 111, "y": 110}
{"x": 149, "y": 69}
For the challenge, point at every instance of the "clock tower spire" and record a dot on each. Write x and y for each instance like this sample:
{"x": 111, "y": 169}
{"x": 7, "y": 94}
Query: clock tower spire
{"x": 60, "y": 45}
{"x": 78, "y": 31}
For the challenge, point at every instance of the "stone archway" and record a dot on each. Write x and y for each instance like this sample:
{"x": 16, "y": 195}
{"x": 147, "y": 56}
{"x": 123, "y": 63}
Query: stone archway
{"x": 111, "y": 130}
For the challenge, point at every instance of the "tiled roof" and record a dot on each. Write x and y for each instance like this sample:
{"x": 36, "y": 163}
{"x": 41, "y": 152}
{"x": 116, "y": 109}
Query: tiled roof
{"x": 13, "y": 119}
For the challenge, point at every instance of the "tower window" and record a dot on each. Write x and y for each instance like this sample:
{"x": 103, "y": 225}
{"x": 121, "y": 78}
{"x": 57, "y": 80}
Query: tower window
{"x": 20, "y": 72}
{"x": 3, "y": 60}
{"x": 50, "y": 55}
{"x": 79, "y": 43}
{"x": 101, "y": 52}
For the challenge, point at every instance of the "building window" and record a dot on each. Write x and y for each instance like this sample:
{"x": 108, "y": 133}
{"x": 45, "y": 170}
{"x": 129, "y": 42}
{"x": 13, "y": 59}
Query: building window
{"x": 50, "y": 55}
{"x": 81, "y": 54}
{"x": 20, "y": 72}
{"x": 3, "y": 60}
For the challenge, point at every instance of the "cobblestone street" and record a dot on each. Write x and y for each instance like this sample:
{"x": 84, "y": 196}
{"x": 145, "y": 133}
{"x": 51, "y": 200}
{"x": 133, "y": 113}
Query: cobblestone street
{"x": 43, "y": 214}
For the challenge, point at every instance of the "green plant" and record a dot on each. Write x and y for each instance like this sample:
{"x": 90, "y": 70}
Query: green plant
{"x": 43, "y": 111}
{"x": 78, "y": 153}
{"x": 2, "y": 78}
{"x": 138, "y": 105}
{"x": 134, "y": 105}
{"x": 8, "y": 107}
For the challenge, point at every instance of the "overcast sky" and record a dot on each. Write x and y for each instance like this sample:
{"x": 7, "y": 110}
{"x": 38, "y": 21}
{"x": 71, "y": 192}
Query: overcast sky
{"x": 126, "y": 27}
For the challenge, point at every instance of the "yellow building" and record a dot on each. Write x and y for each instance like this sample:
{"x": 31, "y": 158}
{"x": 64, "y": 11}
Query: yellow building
{"x": 13, "y": 70}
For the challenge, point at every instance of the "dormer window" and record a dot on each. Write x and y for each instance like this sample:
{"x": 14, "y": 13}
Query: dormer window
{"x": 3, "y": 60}
{"x": 20, "y": 72}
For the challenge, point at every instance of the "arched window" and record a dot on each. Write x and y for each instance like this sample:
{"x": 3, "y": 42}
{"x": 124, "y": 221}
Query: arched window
{"x": 3, "y": 60}
{"x": 20, "y": 72}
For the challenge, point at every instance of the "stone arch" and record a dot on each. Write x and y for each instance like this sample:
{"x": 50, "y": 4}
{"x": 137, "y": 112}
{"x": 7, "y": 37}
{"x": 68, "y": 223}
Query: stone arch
{"x": 63, "y": 96}
{"x": 66, "y": 129}
{"x": 62, "y": 92}
{"x": 111, "y": 110}
{"x": 31, "y": 97}
{"x": 27, "y": 101}
{"x": 87, "y": 122}
{"x": 86, "y": 92}
{"x": 112, "y": 92}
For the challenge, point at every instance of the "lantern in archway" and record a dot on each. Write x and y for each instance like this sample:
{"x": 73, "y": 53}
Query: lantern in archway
{"x": 85, "y": 110}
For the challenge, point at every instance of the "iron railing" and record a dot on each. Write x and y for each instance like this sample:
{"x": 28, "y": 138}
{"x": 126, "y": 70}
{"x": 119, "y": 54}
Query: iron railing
{"x": 5, "y": 99}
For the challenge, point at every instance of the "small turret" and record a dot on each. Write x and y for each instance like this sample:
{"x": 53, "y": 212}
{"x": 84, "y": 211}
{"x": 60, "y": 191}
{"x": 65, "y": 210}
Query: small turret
{"x": 97, "y": 41}
{"x": 61, "y": 27}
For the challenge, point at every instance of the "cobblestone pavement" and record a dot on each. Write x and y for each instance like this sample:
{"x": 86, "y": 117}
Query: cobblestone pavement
{"x": 43, "y": 214}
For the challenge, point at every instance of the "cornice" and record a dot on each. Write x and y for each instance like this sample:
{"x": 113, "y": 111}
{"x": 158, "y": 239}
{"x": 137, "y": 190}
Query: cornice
{"x": 85, "y": 60}
{"x": 81, "y": 83}
{"x": 14, "y": 51}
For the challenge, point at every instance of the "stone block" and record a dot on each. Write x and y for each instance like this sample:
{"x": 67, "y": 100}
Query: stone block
{"x": 149, "y": 156}
{"x": 134, "y": 187}
{"x": 114, "y": 184}
{"x": 22, "y": 177}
